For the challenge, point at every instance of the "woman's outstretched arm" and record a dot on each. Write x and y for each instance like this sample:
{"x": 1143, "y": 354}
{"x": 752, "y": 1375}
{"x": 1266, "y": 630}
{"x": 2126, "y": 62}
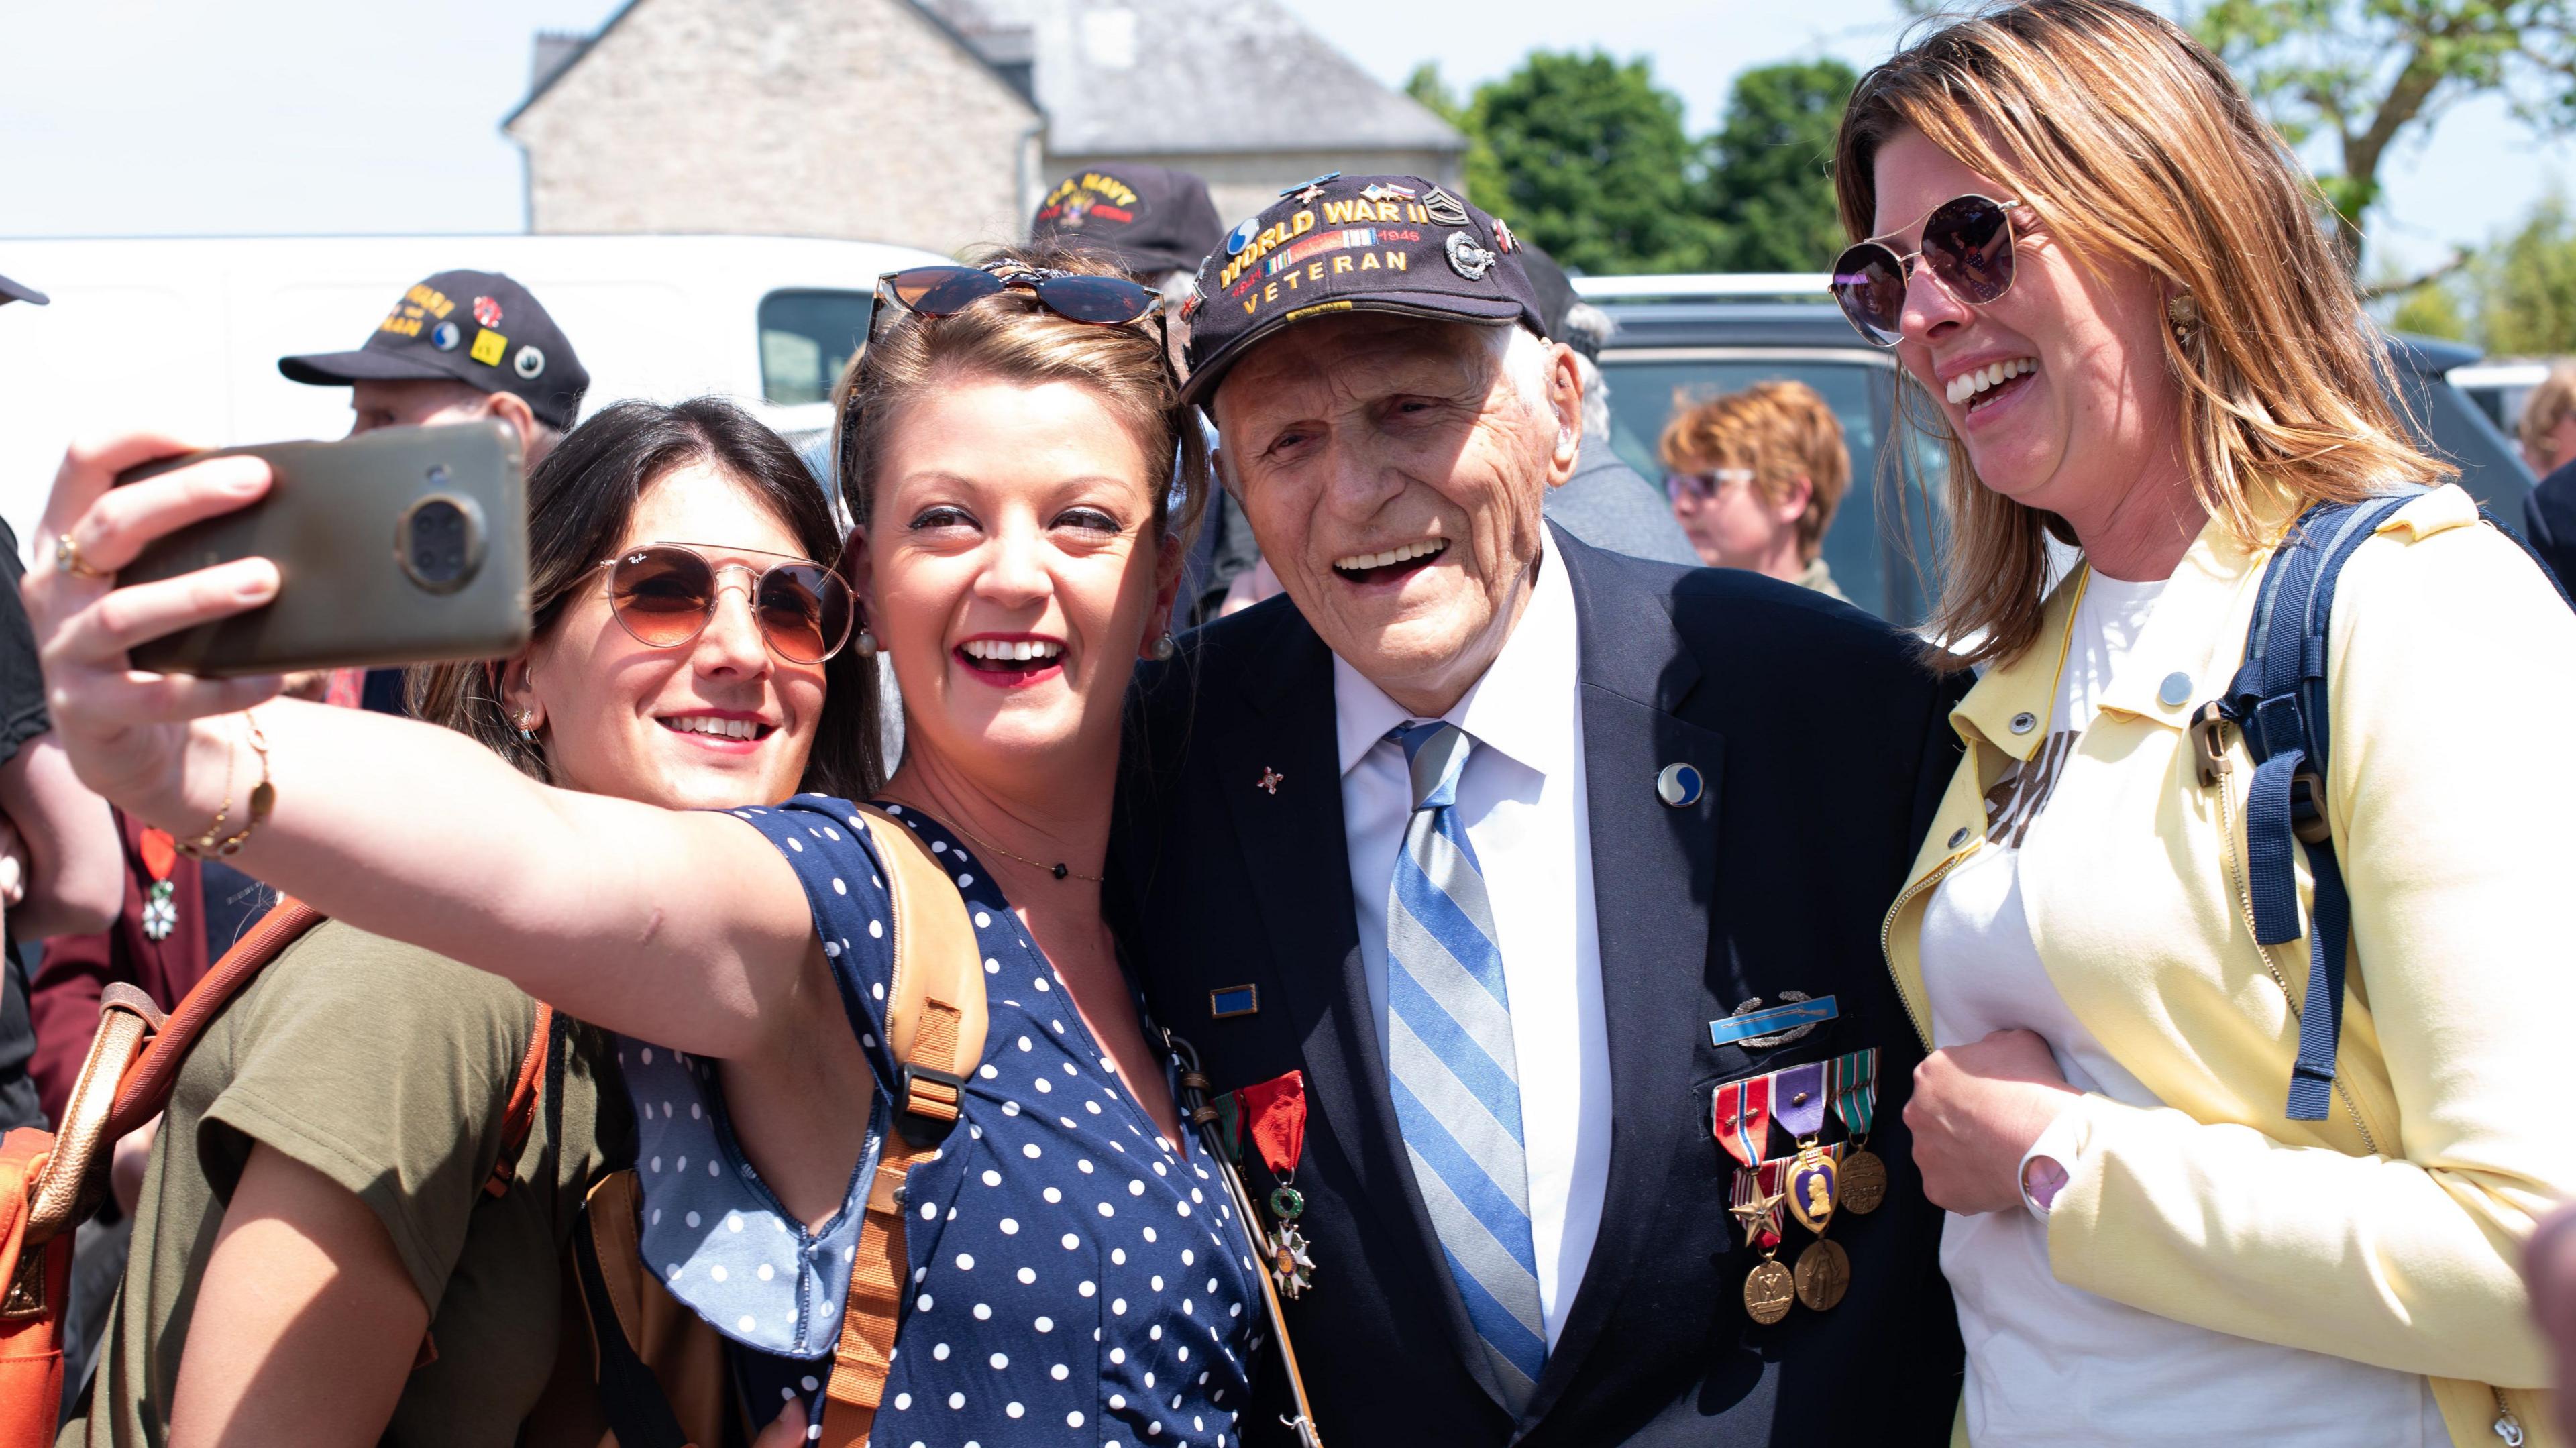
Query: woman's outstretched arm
{"x": 680, "y": 927}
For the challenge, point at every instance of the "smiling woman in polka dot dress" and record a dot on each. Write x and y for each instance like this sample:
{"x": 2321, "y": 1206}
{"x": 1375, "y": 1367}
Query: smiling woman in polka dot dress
{"x": 1077, "y": 1274}
{"x": 1023, "y": 483}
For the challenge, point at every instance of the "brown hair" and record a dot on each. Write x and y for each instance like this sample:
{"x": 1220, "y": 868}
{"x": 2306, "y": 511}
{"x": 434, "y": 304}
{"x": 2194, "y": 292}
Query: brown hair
{"x": 2131, "y": 142}
{"x": 1010, "y": 336}
{"x": 580, "y": 500}
{"x": 2548, "y": 405}
{"x": 1783, "y": 431}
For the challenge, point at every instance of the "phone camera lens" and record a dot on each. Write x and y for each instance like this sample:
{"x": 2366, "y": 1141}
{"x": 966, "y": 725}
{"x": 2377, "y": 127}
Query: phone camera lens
{"x": 438, "y": 542}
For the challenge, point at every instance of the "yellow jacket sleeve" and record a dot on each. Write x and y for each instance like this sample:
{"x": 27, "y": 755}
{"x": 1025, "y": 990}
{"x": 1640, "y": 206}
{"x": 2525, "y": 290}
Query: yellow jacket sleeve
{"x": 2453, "y": 801}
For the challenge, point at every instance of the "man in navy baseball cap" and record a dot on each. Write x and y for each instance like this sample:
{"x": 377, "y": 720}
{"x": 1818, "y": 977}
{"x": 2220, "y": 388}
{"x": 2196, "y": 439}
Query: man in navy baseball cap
{"x": 458, "y": 346}
{"x": 1576, "y": 796}
{"x": 1153, "y": 219}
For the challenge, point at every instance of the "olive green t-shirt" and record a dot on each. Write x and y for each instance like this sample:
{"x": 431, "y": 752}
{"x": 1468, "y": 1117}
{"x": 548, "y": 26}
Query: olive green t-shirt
{"x": 387, "y": 1069}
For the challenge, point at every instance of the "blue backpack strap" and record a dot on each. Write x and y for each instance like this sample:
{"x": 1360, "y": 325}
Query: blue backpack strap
{"x": 2278, "y": 703}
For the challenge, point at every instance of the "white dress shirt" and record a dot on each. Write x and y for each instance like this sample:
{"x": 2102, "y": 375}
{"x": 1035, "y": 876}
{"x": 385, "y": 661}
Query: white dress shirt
{"x": 1521, "y": 800}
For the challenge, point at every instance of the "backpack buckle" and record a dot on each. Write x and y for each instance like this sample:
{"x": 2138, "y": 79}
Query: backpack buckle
{"x": 2208, "y": 746}
{"x": 2308, "y": 808}
{"x": 927, "y": 1103}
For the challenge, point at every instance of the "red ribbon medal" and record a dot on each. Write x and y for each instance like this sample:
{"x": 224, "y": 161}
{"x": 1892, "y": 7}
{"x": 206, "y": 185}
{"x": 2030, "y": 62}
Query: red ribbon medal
{"x": 160, "y": 899}
{"x": 1741, "y": 1118}
{"x": 1274, "y": 1117}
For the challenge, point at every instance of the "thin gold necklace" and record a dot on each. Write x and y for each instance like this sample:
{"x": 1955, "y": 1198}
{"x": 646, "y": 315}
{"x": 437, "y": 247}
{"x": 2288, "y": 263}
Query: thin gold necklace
{"x": 1059, "y": 869}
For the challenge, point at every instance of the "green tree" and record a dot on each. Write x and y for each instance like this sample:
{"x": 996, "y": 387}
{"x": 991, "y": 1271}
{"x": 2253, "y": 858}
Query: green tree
{"x": 2365, "y": 74}
{"x": 1590, "y": 161}
{"x": 2432, "y": 310}
{"x": 1769, "y": 183}
{"x": 2526, "y": 285}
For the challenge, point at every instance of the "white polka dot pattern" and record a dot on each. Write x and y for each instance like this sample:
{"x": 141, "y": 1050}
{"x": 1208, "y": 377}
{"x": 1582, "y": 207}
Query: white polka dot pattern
{"x": 1032, "y": 1224}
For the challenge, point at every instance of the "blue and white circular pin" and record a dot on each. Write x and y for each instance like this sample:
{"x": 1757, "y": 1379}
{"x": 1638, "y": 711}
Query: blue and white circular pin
{"x": 445, "y": 336}
{"x": 1242, "y": 235}
{"x": 1679, "y": 785}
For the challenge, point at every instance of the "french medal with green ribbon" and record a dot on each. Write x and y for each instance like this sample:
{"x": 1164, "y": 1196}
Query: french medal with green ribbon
{"x": 1273, "y": 1114}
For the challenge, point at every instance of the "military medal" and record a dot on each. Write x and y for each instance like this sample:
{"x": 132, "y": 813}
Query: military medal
{"x": 1854, "y": 1082}
{"x": 160, "y": 902}
{"x": 1798, "y": 1100}
{"x": 1769, "y": 1288}
{"x": 1273, "y": 1117}
{"x": 1823, "y": 1274}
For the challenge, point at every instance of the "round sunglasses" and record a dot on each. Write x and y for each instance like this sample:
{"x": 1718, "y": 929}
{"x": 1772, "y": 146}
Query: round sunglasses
{"x": 1704, "y": 486}
{"x": 944, "y": 291}
{"x": 1968, "y": 244}
{"x": 664, "y": 595}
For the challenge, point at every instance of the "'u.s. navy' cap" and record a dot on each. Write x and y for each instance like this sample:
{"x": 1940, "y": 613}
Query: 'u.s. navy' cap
{"x": 20, "y": 292}
{"x": 478, "y": 328}
{"x": 1152, "y": 218}
{"x": 1353, "y": 243}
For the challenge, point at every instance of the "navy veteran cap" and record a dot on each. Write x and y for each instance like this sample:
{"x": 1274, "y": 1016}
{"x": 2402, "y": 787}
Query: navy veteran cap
{"x": 1353, "y": 243}
{"x": 1151, "y": 218}
{"x": 20, "y": 292}
{"x": 478, "y": 328}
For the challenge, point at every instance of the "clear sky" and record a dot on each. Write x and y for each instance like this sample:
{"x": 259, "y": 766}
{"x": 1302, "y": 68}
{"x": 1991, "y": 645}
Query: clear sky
{"x": 163, "y": 117}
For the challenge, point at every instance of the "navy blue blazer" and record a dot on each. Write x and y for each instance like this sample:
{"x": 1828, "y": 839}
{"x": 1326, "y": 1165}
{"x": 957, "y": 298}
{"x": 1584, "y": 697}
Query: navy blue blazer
{"x": 1825, "y": 747}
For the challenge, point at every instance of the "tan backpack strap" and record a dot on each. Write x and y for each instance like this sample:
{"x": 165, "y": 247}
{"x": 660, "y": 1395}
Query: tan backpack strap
{"x": 935, "y": 1031}
{"x": 73, "y": 1177}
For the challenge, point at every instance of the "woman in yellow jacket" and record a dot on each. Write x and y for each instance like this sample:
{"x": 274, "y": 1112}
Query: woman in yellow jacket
{"x": 2109, "y": 278}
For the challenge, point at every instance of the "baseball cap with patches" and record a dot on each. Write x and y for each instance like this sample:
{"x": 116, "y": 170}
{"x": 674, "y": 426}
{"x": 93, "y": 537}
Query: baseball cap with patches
{"x": 20, "y": 292}
{"x": 1149, "y": 217}
{"x": 478, "y": 328}
{"x": 1353, "y": 243}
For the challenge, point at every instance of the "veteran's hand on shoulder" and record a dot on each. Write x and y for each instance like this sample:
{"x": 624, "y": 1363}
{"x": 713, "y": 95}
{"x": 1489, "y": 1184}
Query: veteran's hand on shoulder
{"x": 125, "y": 731}
{"x": 1976, "y": 1109}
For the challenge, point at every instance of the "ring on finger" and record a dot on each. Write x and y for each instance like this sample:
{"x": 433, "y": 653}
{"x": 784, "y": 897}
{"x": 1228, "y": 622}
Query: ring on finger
{"x": 67, "y": 558}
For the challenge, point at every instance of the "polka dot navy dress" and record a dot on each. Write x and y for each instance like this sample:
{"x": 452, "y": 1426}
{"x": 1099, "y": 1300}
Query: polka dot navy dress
{"x": 1075, "y": 1279}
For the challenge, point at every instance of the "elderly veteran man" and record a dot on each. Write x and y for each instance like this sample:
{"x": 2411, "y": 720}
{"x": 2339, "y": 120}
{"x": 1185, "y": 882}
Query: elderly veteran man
{"x": 1485, "y": 865}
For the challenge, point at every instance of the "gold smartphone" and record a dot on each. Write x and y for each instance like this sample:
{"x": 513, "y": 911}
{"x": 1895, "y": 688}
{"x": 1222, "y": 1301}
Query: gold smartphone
{"x": 400, "y": 546}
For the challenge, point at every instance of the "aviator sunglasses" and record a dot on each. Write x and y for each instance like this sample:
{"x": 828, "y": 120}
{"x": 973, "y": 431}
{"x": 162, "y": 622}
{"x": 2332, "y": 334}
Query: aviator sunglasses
{"x": 664, "y": 594}
{"x": 1968, "y": 244}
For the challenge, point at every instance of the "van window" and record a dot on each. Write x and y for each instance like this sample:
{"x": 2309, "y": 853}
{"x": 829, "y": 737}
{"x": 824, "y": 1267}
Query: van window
{"x": 806, "y": 338}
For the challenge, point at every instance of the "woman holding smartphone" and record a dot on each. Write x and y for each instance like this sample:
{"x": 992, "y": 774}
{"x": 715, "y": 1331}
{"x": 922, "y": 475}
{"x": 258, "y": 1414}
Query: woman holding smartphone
{"x": 316, "y": 1256}
{"x": 1007, "y": 439}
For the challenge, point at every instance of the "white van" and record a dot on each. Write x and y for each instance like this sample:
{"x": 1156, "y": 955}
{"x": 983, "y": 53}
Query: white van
{"x": 183, "y": 334}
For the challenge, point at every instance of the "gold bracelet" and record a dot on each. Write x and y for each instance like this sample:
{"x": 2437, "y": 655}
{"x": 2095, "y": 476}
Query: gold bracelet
{"x": 263, "y": 799}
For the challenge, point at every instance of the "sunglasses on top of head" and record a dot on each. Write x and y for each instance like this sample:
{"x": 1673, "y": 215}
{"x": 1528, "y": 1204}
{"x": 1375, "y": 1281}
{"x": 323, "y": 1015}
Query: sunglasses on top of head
{"x": 665, "y": 594}
{"x": 944, "y": 291}
{"x": 1968, "y": 244}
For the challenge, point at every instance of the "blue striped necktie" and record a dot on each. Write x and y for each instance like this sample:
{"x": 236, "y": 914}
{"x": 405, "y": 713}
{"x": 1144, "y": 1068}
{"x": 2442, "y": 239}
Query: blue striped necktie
{"x": 1456, "y": 1074}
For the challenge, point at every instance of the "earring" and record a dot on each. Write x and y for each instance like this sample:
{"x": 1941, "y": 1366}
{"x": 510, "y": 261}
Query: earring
{"x": 1165, "y": 646}
{"x": 2184, "y": 313}
{"x": 866, "y": 647}
{"x": 527, "y": 722}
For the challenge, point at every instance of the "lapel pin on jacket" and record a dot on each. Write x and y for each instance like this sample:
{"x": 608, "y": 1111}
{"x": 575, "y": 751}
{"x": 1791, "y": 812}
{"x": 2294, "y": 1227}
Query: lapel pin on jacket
{"x": 1269, "y": 781}
{"x": 1679, "y": 785}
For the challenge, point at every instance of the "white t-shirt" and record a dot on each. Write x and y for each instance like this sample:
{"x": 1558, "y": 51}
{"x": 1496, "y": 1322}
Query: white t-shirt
{"x": 2053, "y": 1364}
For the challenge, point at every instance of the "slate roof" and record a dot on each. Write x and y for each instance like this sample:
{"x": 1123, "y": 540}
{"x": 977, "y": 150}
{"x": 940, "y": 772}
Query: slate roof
{"x": 1162, "y": 77}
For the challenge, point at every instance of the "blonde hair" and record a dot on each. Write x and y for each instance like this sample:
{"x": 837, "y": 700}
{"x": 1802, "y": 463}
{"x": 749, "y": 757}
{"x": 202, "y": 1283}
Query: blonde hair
{"x": 2547, "y": 406}
{"x": 1011, "y": 336}
{"x": 2131, "y": 142}
{"x": 1782, "y": 431}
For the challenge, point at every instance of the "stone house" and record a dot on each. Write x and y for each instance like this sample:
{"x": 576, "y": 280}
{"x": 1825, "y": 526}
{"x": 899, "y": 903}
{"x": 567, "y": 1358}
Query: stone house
{"x": 938, "y": 123}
